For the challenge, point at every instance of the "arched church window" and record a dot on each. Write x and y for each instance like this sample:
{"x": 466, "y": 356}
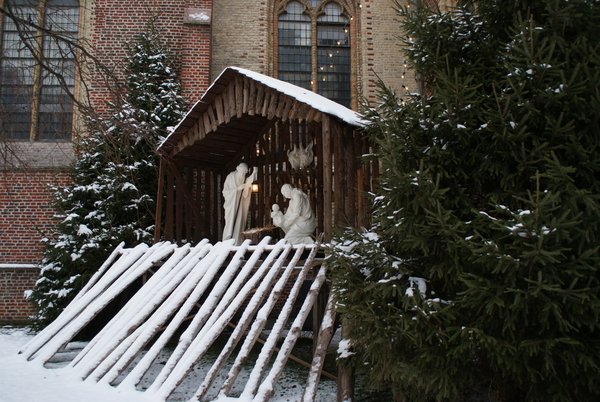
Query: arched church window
{"x": 37, "y": 69}
{"x": 314, "y": 48}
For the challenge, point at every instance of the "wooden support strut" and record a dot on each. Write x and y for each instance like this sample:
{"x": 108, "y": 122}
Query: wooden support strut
{"x": 323, "y": 340}
{"x": 267, "y": 388}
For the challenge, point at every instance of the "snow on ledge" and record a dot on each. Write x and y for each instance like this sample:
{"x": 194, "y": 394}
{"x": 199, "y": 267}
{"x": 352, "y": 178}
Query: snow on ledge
{"x": 18, "y": 266}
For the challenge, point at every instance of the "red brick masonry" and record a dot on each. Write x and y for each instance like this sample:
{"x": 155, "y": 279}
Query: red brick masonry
{"x": 15, "y": 280}
{"x": 26, "y": 213}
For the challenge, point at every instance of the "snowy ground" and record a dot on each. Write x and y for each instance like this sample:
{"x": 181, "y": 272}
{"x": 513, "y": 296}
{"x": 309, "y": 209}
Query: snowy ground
{"x": 22, "y": 381}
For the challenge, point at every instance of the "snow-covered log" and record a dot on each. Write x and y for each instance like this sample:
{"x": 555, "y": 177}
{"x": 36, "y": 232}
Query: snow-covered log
{"x": 214, "y": 288}
{"x": 325, "y": 335}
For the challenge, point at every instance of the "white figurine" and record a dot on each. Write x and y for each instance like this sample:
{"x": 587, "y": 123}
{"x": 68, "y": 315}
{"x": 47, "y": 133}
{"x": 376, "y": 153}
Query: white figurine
{"x": 299, "y": 220}
{"x": 236, "y": 193}
{"x": 301, "y": 157}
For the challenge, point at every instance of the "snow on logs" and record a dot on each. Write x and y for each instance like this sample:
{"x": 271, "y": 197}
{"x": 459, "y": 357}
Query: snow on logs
{"x": 209, "y": 288}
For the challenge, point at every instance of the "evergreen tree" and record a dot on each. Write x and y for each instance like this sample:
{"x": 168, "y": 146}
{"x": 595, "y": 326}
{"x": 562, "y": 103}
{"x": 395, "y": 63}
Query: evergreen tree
{"x": 481, "y": 268}
{"x": 114, "y": 180}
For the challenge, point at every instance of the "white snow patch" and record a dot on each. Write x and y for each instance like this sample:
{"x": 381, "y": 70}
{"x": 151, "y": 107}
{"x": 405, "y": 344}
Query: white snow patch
{"x": 344, "y": 349}
{"x": 417, "y": 283}
{"x": 24, "y": 381}
{"x": 200, "y": 16}
{"x": 84, "y": 230}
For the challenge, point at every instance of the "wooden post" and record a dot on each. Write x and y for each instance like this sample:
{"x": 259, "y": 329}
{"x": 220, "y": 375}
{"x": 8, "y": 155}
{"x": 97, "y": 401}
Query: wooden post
{"x": 168, "y": 226}
{"x": 159, "y": 200}
{"x": 345, "y": 385}
{"x": 318, "y": 312}
{"x": 327, "y": 178}
{"x": 325, "y": 334}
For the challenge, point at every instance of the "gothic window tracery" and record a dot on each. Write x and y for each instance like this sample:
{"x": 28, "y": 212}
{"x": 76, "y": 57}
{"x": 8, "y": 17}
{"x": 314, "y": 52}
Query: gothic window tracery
{"x": 37, "y": 69}
{"x": 314, "y": 47}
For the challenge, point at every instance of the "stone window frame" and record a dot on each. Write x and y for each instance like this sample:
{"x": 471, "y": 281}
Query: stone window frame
{"x": 349, "y": 10}
{"x": 48, "y": 98}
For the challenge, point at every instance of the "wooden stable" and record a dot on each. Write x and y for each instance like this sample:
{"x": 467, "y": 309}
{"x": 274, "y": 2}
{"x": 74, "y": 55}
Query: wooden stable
{"x": 222, "y": 291}
{"x": 248, "y": 117}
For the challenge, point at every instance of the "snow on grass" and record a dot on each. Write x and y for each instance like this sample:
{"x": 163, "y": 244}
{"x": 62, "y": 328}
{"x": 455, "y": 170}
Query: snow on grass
{"x": 22, "y": 381}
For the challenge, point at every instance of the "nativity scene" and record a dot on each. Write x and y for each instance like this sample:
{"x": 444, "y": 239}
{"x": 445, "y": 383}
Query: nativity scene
{"x": 253, "y": 153}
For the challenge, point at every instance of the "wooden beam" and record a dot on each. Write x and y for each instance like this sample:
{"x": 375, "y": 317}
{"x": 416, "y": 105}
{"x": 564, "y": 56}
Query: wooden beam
{"x": 239, "y": 96}
{"x": 179, "y": 209}
{"x": 284, "y": 100}
{"x": 327, "y": 177}
{"x": 252, "y": 99}
{"x": 218, "y": 102}
{"x": 345, "y": 384}
{"x": 212, "y": 118}
{"x": 323, "y": 340}
{"x": 285, "y": 113}
{"x": 206, "y": 120}
{"x": 265, "y": 103}
{"x": 159, "y": 200}
{"x": 310, "y": 114}
{"x": 231, "y": 100}
{"x": 226, "y": 108}
{"x": 339, "y": 180}
{"x": 260, "y": 97}
{"x": 168, "y": 227}
{"x": 246, "y": 94}
{"x": 273, "y": 104}
{"x": 318, "y": 116}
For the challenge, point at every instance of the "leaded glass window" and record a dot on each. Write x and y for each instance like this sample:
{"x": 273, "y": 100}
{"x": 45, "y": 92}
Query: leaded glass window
{"x": 314, "y": 48}
{"x": 295, "y": 44}
{"x": 333, "y": 55}
{"x": 36, "y": 100}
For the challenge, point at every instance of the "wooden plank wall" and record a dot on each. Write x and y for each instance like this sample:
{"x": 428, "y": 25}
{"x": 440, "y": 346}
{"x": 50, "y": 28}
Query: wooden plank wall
{"x": 335, "y": 183}
{"x": 190, "y": 204}
{"x": 270, "y": 155}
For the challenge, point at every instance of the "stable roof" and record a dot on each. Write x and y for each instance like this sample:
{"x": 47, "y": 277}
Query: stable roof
{"x": 238, "y": 105}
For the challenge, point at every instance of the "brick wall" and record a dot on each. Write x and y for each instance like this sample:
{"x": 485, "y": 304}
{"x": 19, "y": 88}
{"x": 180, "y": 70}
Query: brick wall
{"x": 382, "y": 54}
{"x": 240, "y": 36}
{"x": 14, "y": 282}
{"x": 244, "y": 35}
{"x": 110, "y": 23}
{"x": 25, "y": 213}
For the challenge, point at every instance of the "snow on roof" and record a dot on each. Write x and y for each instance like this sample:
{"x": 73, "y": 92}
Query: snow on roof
{"x": 303, "y": 95}
{"x": 306, "y": 96}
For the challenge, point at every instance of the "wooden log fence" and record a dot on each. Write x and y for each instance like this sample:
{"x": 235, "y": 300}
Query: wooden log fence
{"x": 212, "y": 288}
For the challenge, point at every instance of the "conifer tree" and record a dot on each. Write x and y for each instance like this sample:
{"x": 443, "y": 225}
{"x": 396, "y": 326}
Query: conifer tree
{"x": 114, "y": 180}
{"x": 481, "y": 268}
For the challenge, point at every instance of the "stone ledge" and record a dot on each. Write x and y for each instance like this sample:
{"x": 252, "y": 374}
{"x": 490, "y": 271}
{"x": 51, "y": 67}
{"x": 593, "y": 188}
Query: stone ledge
{"x": 19, "y": 266}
